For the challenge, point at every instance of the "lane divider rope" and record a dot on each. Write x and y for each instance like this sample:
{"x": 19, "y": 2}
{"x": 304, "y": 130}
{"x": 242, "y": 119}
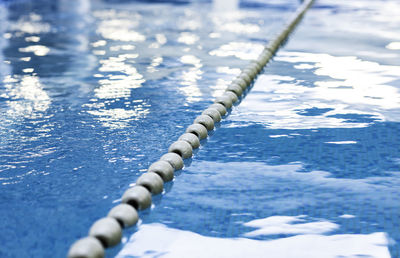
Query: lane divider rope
{"x": 107, "y": 231}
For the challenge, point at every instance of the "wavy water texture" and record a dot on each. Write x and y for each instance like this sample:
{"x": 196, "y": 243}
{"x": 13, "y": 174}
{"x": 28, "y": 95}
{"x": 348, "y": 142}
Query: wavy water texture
{"x": 93, "y": 92}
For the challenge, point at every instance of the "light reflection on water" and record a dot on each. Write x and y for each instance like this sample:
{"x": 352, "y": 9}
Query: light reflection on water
{"x": 31, "y": 24}
{"x": 269, "y": 190}
{"x": 242, "y": 50}
{"x": 4, "y": 66}
{"x": 190, "y": 77}
{"x": 154, "y": 240}
{"x": 393, "y": 45}
{"x": 341, "y": 86}
{"x": 94, "y": 93}
{"x": 32, "y": 100}
{"x": 331, "y": 115}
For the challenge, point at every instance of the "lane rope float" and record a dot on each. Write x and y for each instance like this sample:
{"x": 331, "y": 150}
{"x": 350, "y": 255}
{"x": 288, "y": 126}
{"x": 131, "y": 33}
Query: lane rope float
{"x": 107, "y": 231}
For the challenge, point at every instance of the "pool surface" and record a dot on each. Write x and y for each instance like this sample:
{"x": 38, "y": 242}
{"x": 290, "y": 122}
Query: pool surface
{"x": 307, "y": 165}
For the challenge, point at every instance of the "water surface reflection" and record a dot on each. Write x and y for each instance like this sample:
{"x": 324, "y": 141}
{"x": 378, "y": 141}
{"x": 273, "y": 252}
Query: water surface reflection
{"x": 92, "y": 92}
{"x": 340, "y": 90}
{"x": 157, "y": 240}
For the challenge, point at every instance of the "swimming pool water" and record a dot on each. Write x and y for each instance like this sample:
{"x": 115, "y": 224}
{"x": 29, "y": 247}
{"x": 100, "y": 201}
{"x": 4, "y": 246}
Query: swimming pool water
{"x": 306, "y": 166}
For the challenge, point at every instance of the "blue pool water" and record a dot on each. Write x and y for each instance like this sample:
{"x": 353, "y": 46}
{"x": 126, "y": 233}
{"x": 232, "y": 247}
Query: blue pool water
{"x": 91, "y": 93}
